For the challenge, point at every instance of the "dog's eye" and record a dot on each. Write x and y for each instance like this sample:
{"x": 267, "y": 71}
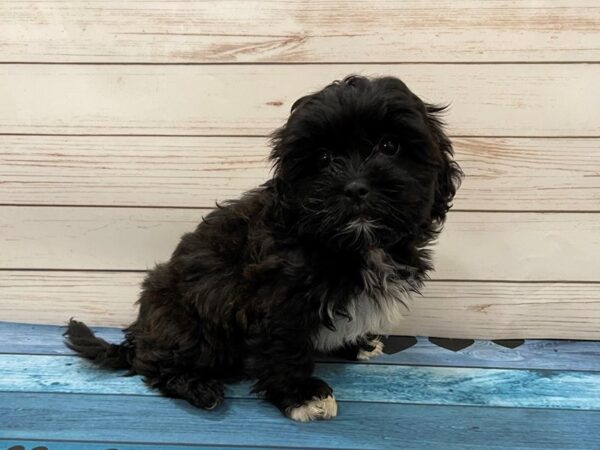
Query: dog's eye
{"x": 389, "y": 146}
{"x": 323, "y": 158}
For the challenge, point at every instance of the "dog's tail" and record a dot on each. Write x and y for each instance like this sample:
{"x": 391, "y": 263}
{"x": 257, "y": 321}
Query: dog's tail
{"x": 111, "y": 356}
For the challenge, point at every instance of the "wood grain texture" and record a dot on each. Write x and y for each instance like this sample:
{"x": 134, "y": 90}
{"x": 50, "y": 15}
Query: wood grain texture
{"x": 532, "y": 354}
{"x": 526, "y": 135}
{"x": 54, "y": 297}
{"x": 107, "y": 445}
{"x": 487, "y": 100}
{"x": 486, "y": 310}
{"x": 473, "y": 246}
{"x": 379, "y": 383}
{"x": 249, "y": 422}
{"x": 26, "y": 338}
{"x": 502, "y": 173}
{"x": 299, "y": 31}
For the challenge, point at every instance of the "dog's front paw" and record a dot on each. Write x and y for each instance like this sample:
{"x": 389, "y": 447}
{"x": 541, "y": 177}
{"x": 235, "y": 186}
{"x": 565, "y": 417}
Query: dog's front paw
{"x": 314, "y": 409}
{"x": 369, "y": 349}
{"x": 310, "y": 400}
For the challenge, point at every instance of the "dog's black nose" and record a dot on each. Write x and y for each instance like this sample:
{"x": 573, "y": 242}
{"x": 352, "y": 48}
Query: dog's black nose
{"x": 357, "y": 190}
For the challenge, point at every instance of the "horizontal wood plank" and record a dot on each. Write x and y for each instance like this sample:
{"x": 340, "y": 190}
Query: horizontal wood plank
{"x": 12, "y": 444}
{"x": 487, "y": 100}
{"x": 502, "y": 174}
{"x": 489, "y": 310}
{"x": 44, "y": 339}
{"x": 27, "y": 338}
{"x": 379, "y": 383}
{"x": 249, "y": 422}
{"x": 473, "y": 246}
{"x": 299, "y": 31}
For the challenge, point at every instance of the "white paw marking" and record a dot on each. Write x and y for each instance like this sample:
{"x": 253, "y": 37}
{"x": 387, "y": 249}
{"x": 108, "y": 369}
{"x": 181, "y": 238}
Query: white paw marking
{"x": 315, "y": 409}
{"x": 364, "y": 355}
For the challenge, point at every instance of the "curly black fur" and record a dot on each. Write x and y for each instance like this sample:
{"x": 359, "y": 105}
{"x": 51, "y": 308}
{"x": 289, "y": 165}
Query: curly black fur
{"x": 363, "y": 180}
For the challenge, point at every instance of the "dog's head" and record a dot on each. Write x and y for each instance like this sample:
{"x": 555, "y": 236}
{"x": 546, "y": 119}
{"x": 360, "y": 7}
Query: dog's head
{"x": 364, "y": 162}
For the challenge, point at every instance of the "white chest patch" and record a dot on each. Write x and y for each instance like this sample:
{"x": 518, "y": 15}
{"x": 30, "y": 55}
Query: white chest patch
{"x": 379, "y": 307}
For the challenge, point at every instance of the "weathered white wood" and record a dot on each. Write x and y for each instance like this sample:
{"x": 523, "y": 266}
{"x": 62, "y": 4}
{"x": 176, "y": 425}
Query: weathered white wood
{"x": 529, "y": 174}
{"x": 474, "y": 245}
{"x": 138, "y": 170}
{"x": 492, "y": 310}
{"x": 502, "y": 174}
{"x": 487, "y": 100}
{"x": 299, "y": 31}
{"x": 54, "y": 297}
{"x": 487, "y": 310}
{"x": 519, "y": 246}
{"x": 535, "y": 172}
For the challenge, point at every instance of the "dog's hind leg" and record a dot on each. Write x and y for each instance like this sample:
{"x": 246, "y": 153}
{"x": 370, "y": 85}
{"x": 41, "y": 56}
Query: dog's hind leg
{"x": 200, "y": 392}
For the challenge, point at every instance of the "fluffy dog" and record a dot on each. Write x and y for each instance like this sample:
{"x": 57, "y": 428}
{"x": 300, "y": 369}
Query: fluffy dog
{"x": 321, "y": 258}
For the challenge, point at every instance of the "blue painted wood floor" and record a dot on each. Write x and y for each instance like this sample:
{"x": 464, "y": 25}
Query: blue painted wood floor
{"x": 541, "y": 395}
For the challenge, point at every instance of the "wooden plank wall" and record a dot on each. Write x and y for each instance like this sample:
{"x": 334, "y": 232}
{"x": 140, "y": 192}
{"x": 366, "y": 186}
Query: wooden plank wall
{"x": 121, "y": 122}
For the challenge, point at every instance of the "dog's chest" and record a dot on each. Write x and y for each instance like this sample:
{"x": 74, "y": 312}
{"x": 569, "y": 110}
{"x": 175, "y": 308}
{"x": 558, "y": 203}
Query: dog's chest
{"x": 381, "y": 305}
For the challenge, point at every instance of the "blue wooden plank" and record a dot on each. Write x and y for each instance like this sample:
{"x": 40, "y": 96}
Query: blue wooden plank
{"x": 250, "y": 422}
{"x": 534, "y": 354}
{"x": 43, "y": 339}
{"x": 352, "y": 382}
{"x": 46, "y": 444}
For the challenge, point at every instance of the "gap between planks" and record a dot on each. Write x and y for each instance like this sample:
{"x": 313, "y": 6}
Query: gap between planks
{"x": 263, "y": 136}
{"x": 461, "y": 210}
{"x": 432, "y": 280}
{"x": 296, "y": 63}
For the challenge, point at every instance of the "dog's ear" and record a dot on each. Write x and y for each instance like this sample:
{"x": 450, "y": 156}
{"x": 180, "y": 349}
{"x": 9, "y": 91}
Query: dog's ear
{"x": 281, "y": 138}
{"x": 449, "y": 173}
{"x": 283, "y": 211}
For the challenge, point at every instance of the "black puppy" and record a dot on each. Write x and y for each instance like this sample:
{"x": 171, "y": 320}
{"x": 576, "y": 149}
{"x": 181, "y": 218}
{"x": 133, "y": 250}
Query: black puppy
{"x": 320, "y": 258}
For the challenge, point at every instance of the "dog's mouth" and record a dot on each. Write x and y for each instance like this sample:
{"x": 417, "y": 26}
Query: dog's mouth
{"x": 363, "y": 221}
{"x": 360, "y": 231}
{"x": 368, "y": 230}
{"x": 361, "y": 212}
